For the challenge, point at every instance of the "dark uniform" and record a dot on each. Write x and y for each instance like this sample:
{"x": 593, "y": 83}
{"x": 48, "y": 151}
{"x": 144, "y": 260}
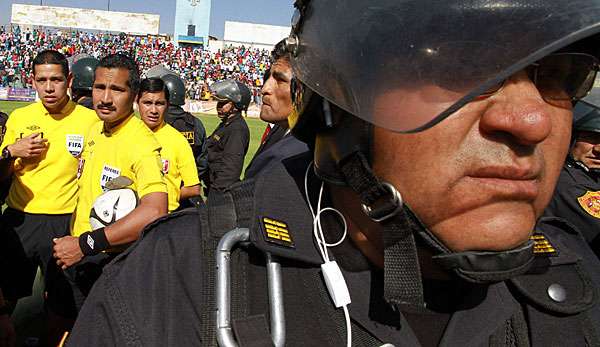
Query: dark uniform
{"x": 552, "y": 303}
{"x": 227, "y": 147}
{"x": 193, "y": 130}
{"x": 577, "y": 194}
{"x": 577, "y": 199}
{"x": 278, "y": 144}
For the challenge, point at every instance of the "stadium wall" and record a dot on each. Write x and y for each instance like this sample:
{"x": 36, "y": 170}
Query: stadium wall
{"x": 69, "y": 17}
{"x": 254, "y": 34}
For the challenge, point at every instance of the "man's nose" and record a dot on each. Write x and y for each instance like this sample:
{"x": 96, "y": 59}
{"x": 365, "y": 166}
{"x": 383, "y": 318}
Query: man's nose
{"x": 106, "y": 97}
{"x": 518, "y": 110}
{"x": 266, "y": 88}
{"x": 49, "y": 86}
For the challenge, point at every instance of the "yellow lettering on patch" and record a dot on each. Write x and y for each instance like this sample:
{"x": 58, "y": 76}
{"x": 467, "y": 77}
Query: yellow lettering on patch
{"x": 276, "y": 232}
{"x": 541, "y": 245}
{"x": 189, "y": 135}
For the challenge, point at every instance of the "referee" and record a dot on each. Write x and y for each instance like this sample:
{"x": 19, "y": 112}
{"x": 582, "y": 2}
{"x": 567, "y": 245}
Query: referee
{"x": 121, "y": 145}
{"x": 41, "y": 149}
{"x": 178, "y": 164}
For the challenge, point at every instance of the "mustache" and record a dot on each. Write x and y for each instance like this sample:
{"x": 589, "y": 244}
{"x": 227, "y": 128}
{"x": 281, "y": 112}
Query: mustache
{"x": 109, "y": 107}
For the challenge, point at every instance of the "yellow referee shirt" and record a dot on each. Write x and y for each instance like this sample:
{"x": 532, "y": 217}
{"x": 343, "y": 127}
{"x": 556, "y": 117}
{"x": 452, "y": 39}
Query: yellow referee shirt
{"x": 178, "y": 163}
{"x": 47, "y": 184}
{"x": 129, "y": 150}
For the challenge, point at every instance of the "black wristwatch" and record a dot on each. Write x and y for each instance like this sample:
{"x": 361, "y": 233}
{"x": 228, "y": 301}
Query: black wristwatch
{"x": 6, "y": 153}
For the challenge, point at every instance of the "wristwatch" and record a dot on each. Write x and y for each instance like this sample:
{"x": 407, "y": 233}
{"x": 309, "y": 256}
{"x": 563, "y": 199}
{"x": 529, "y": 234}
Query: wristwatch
{"x": 6, "y": 153}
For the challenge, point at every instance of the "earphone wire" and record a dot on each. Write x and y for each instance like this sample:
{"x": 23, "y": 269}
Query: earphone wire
{"x": 320, "y": 237}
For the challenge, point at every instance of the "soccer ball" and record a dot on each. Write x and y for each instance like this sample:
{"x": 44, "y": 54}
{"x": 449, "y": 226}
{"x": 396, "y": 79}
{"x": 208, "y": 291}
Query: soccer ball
{"x": 112, "y": 206}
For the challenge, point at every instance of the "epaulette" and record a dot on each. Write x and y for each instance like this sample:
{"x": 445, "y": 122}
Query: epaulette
{"x": 281, "y": 222}
{"x": 557, "y": 281}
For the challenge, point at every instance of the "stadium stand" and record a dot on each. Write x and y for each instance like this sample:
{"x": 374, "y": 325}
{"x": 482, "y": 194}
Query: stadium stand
{"x": 197, "y": 66}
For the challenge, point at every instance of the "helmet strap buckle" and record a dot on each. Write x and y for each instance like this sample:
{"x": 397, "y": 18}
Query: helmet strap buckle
{"x": 386, "y": 207}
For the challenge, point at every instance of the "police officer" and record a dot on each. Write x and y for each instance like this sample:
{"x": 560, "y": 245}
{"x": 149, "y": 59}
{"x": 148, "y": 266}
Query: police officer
{"x": 577, "y": 194}
{"x": 228, "y": 144}
{"x": 414, "y": 225}
{"x": 190, "y": 126}
{"x": 83, "y": 78}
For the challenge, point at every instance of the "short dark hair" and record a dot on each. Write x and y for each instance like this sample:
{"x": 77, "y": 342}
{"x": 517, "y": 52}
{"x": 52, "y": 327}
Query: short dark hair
{"x": 122, "y": 61}
{"x": 50, "y": 56}
{"x": 153, "y": 85}
{"x": 280, "y": 51}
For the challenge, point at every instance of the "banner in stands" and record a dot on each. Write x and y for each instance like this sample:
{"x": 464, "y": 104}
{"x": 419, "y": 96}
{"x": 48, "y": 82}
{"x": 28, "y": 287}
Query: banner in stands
{"x": 17, "y": 94}
{"x": 69, "y": 17}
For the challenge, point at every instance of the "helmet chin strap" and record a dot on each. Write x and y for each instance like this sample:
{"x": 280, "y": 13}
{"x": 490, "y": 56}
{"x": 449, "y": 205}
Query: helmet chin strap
{"x": 403, "y": 285}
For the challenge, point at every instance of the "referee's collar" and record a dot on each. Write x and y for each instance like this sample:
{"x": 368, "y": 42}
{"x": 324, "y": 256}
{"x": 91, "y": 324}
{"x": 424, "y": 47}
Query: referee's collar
{"x": 116, "y": 129}
{"x": 158, "y": 128}
{"x": 69, "y": 107}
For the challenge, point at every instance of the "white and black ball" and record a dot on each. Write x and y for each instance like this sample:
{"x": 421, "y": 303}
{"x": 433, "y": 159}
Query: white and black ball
{"x": 112, "y": 206}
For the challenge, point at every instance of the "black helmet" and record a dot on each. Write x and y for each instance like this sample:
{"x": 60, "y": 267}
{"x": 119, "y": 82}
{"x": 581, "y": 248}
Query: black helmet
{"x": 350, "y": 52}
{"x": 176, "y": 89}
{"x": 83, "y": 73}
{"x": 232, "y": 90}
{"x": 586, "y": 114}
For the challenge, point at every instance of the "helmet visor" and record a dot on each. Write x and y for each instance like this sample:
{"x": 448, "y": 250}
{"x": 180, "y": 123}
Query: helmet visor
{"x": 406, "y": 65}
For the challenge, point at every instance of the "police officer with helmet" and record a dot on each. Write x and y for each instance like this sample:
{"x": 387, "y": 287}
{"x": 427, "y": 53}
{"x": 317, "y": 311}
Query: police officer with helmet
{"x": 188, "y": 125}
{"x": 83, "y": 79}
{"x": 228, "y": 144}
{"x": 577, "y": 194}
{"x": 414, "y": 220}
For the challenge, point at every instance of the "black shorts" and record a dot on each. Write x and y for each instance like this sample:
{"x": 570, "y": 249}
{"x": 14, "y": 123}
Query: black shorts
{"x": 25, "y": 244}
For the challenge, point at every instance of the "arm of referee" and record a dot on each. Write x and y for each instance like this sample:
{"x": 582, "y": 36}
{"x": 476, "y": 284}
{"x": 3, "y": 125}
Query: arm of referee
{"x": 127, "y": 229}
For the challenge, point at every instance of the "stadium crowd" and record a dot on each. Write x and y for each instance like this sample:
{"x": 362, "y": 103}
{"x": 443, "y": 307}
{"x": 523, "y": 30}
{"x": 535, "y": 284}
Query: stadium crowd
{"x": 197, "y": 66}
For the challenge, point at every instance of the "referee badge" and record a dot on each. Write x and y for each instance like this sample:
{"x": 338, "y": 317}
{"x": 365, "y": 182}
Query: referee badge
{"x": 165, "y": 166}
{"x": 75, "y": 144}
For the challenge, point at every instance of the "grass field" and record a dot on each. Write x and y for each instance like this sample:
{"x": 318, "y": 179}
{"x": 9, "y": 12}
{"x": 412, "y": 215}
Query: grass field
{"x": 210, "y": 122}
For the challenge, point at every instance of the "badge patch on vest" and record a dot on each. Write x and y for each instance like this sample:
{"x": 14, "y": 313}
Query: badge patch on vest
{"x": 75, "y": 144}
{"x": 590, "y": 202}
{"x": 165, "y": 166}
{"x": 108, "y": 173}
{"x": 276, "y": 232}
{"x": 189, "y": 135}
{"x": 80, "y": 167}
{"x": 541, "y": 245}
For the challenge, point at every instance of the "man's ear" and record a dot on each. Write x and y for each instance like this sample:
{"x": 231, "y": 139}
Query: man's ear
{"x": 70, "y": 79}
